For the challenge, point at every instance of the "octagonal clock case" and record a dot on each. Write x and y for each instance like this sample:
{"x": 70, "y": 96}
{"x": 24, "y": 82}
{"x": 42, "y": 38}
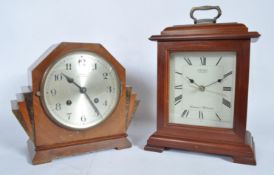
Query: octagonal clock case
{"x": 202, "y": 88}
{"x": 77, "y": 102}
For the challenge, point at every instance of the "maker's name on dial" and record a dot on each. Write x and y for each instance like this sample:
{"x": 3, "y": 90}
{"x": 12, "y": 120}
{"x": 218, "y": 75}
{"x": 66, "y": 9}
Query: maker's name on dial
{"x": 201, "y": 107}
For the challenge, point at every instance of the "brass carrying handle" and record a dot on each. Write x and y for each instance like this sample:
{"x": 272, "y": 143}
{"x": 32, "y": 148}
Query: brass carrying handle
{"x": 198, "y": 21}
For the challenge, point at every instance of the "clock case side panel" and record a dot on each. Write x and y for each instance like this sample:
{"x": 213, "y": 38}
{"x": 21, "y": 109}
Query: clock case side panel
{"x": 220, "y": 135}
{"x": 50, "y": 135}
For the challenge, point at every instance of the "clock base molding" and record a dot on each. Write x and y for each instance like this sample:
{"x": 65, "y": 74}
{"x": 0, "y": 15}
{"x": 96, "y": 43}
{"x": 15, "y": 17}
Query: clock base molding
{"x": 240, "y": 153}
{"x": 39, "y": 156}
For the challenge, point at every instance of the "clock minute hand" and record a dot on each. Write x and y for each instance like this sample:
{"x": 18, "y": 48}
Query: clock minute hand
{"x": 218, "y": 81}
{"x": 221, "y": 79}
{"x": 92, "y": 104}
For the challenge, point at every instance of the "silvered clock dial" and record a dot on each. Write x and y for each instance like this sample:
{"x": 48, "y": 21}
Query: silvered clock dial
{"x": 80, "y": 90}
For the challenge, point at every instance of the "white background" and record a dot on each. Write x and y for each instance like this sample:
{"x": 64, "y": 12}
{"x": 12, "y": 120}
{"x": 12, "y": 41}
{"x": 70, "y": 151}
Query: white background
{"x": 28, "y": 28}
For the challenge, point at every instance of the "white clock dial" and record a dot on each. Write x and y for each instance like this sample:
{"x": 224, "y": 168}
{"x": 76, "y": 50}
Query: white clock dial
{"x": 80, "y": 90}
{"x": 202, "y": 88}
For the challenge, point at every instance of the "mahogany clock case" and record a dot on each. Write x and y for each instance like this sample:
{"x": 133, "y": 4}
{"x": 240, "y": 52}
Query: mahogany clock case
{"x": 48, "y": 140}
{"x": 236, "y": 142}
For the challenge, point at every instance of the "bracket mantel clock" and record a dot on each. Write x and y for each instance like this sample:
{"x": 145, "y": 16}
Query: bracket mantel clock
{"x": 202, "y": 88}
{"x": 77, "y": 102}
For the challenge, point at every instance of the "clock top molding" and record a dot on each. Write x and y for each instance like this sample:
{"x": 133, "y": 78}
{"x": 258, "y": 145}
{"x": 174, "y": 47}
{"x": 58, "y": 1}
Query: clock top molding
{"x": 208, "y": 31}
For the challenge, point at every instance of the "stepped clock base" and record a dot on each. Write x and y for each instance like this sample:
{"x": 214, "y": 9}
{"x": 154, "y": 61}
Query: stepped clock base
{"x": 240, "y": 153}
{"x": 40, "y": 156}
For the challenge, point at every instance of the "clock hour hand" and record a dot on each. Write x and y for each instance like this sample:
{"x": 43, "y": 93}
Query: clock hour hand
{"x": 192, "y": 81}
{"x": 71, "y": 80}
{"x": 201, "y": 88}
{"x": 83, "y": 90}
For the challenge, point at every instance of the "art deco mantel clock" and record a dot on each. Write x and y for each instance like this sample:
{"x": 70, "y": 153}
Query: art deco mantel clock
{"x": 202, "y": 89}
{"x": 77, "y": 102}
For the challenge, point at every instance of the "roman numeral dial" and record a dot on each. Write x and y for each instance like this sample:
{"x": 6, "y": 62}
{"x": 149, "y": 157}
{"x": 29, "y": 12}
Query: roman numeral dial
{"x": 202, "y": 88}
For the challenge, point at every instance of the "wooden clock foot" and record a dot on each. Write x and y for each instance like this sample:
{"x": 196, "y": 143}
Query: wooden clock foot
{"x": 123, "y": 144}
{"x": 248, "y": 156}
{"x": 158, "y": 149}
{"x": 40, "y": 156}
{"x": 245, "y": 160}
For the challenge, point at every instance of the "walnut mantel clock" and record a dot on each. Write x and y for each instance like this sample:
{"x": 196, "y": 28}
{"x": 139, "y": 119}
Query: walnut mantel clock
{"x": 77, "y": 102}
{"x": 202, "y": 89}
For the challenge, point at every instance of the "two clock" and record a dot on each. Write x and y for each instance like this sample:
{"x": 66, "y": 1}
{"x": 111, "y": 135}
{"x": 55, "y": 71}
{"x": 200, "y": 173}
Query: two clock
{"x": 77, "y": 102}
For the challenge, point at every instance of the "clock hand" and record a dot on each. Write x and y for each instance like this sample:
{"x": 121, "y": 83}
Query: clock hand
{"x": 218, "y": 81}
{"x": 201, "y": 88}
{"x": 221, "y": 79}
{"x": 92, "y": 104}
{"x": 194, "y": 87}
{"x": 192, "y": 81}
{"x": 83, "y": 90}
{"x": 206, "y": 90}
{"x": 71, "y": 80}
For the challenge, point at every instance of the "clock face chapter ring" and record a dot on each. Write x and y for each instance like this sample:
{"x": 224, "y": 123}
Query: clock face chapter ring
{"x": 202, "y": 88}
{"x": 80, "y": 90}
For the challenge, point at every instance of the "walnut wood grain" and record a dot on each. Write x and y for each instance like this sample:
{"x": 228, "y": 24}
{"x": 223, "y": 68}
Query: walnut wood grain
{"x": 131, "y": 107}
{"x": 128, "y": 99}
{"x": 17, "y": 113}
{"x": 27, "y": 93}
{"x": 131, "y": 104}
{"x": 19, "y": 108}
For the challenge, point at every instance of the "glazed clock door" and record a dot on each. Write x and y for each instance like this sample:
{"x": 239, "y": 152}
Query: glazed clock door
{"x": 202, "y": 88}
